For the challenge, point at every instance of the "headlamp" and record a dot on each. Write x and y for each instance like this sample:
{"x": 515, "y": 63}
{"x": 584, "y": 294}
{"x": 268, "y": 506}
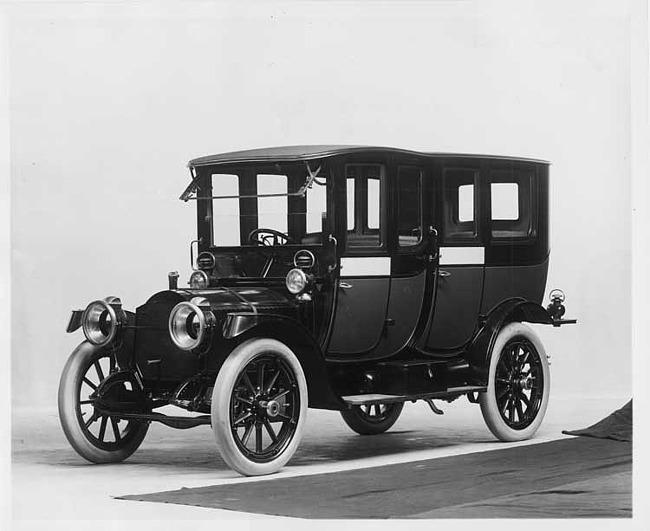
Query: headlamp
{"x": 190, "y": 323}
{"x": 102, "y": 319}
{"x": 296, "y": 281}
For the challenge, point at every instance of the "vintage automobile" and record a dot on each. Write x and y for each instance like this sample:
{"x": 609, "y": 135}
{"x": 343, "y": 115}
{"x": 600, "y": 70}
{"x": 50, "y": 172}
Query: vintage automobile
{"x": 337, "y": 277}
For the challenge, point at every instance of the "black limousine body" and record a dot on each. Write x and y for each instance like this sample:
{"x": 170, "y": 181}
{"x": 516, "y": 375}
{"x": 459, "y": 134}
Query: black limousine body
{"x": 337, "y": 277}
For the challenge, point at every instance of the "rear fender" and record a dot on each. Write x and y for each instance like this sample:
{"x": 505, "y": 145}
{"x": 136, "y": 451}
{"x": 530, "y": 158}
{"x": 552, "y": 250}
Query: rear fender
{"x": 520, "y": 310}
{"x": 244, "y": 326}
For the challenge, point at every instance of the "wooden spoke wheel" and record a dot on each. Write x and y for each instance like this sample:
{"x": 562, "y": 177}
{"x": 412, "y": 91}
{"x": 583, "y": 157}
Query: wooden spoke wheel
{"x": 519, "y": 383}
{"x": 259, "y": 406}
{"x": 96, "y": 437}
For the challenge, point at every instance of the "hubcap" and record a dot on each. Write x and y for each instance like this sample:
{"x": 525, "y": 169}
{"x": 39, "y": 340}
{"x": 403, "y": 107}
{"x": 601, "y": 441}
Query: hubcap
{"x": 272, "y": 408}
{"x": 525, "y": 383}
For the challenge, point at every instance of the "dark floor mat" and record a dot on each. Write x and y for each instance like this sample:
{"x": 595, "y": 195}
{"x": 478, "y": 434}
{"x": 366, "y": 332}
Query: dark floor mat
{"x": 410, "y": 489}
{"x": 604, "y": 497}
{"x": 617, "y": 426}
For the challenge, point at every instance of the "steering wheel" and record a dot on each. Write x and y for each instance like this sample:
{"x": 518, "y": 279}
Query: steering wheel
{"x": 268, "y": 237}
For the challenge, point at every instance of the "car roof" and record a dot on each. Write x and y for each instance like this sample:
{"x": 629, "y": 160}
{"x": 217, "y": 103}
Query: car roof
{"x": 311, "y": 152}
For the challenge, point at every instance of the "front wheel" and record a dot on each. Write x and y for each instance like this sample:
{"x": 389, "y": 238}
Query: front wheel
{"x": 259, "y": 407}
{"x": 96, "y": 437}
{"x": 515, "y": 402}
{"x": 372, "y": 419}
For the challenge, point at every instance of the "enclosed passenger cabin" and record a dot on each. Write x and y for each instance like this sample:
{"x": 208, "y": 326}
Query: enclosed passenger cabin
{"x": 426, "y": 243}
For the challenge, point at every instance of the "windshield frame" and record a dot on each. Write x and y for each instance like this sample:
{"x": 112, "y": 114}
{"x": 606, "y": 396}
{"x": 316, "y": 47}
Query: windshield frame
{"x": 202, "y": 188}
{"x": 193, "y": 188}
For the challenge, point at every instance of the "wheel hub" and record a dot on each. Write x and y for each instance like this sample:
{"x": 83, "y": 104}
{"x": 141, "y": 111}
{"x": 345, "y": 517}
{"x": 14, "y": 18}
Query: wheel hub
{"x": 272, "y": 408}
{"x": 519, "y": 385}
{"x": 269, "y": 408}
{"x": 525, "y": 383}
{"x": 264, "y": 409}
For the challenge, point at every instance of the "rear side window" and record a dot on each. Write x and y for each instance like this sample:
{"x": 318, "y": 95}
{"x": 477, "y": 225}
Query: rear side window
{"x": 512, "y": 206}
{"x": 460, "y": 208}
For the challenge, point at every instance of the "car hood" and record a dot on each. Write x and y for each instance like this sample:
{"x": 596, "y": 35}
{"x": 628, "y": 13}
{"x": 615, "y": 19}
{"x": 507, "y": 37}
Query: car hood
{"x": 231, "y": 299}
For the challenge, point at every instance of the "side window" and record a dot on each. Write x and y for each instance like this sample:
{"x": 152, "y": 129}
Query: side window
{"x": 504, "y": 201}
{"x": 511, "y": 204}
{"x": 460, "y": 208}
{"x": 373, "y": 204}
{"x": 350, "y": 201}
{"x": 512, "y": 207}
{"x": 409, "y": 209}
{"x": 272, "y": 211}
{"x": 364, "y": 204}
{"x": 225, "y": 212}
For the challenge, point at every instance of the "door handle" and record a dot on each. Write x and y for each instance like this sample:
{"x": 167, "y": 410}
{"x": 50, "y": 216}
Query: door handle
{"x": 443, "y": 273}
{"x": 345, "y": 285}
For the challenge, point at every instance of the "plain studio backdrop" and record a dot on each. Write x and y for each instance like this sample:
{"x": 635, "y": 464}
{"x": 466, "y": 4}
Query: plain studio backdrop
{"x": 109, "y": 101}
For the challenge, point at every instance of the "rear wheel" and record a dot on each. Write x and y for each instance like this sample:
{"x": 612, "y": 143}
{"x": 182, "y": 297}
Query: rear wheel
{"x": 372, "y": 419}
{"x": 259, "y": 407}
{"x": 519, "y": 383}
{"x": 96, "y": 437}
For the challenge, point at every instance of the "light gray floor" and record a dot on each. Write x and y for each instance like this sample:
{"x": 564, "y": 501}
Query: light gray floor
{"x": 50, "y": 482}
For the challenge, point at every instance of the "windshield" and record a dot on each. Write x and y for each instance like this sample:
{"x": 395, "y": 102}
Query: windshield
{"x": 269, "y": 204}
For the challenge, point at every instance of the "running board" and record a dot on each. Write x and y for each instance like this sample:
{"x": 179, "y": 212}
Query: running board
{"x": 374, "y": 398}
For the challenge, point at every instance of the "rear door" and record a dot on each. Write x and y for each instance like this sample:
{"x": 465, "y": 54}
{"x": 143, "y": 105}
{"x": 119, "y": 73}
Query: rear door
{"x": 459, "y": 277}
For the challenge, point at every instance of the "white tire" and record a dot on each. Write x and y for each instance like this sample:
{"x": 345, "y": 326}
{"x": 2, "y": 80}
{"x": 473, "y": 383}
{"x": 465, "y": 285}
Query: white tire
{"x": 515, "y": 402}
{"x": 259, "y": 407}
{"x": 97, "y": 438}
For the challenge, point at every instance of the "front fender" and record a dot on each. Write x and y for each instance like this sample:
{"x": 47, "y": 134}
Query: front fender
{"x": 512, "y": 310}
{"x": 292, "y": 333}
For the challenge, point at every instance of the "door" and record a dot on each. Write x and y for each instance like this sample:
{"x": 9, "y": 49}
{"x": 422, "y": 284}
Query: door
{"x": 460, "y": 272}
{"x": 411, "y": 261}
{"x": 364, "y": 281}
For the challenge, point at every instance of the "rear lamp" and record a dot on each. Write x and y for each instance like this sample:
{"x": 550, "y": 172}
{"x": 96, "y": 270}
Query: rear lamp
{"x": 102, "y": 319}
{"x": 556, "y": 309}
{"x": 296, "y": 281}
{"x": 190, "y": 323}
{"x": 199, "y": 280}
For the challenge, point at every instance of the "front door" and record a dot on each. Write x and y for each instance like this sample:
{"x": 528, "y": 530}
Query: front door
{"x": 414, "y": 248}
{"x": 364, "y": 281}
